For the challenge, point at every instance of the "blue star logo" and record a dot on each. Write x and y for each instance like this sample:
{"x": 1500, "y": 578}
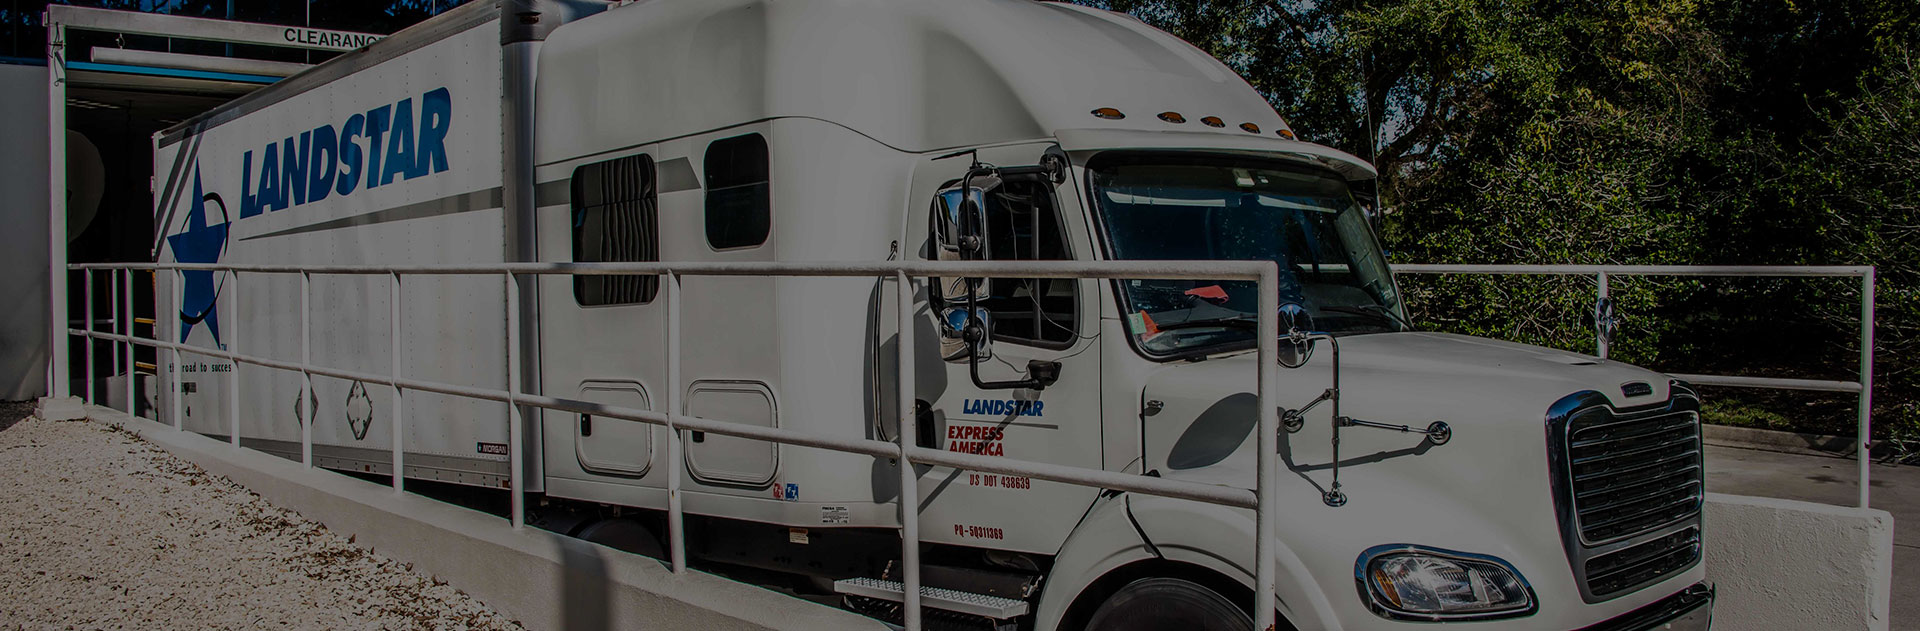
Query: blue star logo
{"x": 198, "y": 242}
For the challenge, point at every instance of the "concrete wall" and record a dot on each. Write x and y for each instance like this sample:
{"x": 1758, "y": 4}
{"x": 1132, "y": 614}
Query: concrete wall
{"x": 1781, "y": 564}
{"x": 23, "y": 240}
{"x": 544, "y": 580}
{"x": 1778, "y": 564}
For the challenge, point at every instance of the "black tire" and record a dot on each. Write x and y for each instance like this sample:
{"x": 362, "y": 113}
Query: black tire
{"x": 1153, "y": 604}
{"x": 626, "y": 535}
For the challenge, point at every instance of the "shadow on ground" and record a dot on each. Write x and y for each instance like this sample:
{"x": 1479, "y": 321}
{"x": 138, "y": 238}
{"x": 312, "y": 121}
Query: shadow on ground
{"x": 12, "y": 411}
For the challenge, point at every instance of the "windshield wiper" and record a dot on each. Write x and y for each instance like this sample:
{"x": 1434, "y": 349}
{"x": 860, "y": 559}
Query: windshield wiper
{"x": 1232, "y": 322}
{"x": 1379, "y": 312}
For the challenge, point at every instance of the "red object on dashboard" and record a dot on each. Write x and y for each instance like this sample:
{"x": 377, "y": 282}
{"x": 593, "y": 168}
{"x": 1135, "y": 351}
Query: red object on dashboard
{"x": 1209, "y": 292}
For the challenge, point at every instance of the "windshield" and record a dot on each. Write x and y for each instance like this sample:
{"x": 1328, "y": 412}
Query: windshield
{"x": 1170, "y": 207}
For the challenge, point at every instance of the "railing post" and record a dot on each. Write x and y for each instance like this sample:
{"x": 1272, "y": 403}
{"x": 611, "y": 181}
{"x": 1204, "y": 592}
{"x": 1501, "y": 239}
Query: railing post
{"x": 1603, "y": 318}
{"x": 133, "y": 381}
{"x": 399, "y": 407}
{"x": 114, "y": 316}
{"x": 86, "y": 276}
{"x": 676, "y": 448}
{"x": 307, "y": 397}
{"x": 1265, "y": 601}
{"x": 178, "y": 392}
{"x": 909, "y": 480}
{"x": 1866, "y": 379}
{"x": 233, "y": 365}
{"x": 113, "y": 326}
{"x": 57, "y": 256}
{"x": 515, "y": 442}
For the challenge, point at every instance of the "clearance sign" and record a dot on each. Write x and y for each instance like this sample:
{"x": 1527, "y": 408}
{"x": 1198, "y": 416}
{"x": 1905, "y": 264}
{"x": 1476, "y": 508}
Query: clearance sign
{"x": 319, "y": 38}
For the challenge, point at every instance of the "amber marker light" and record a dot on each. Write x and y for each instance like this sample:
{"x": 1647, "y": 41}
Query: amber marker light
{"x": 1172, "y": 117}
{"x": 1213, "y": 121}
{"x": 1250, "y": 128}
{"x": 1285, "y": 133}
{"x": 1109, "y": 114}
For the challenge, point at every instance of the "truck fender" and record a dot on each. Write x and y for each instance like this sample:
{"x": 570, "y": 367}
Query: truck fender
{"x": 1220, "y": 539}
{"x": 1104, "y": 540}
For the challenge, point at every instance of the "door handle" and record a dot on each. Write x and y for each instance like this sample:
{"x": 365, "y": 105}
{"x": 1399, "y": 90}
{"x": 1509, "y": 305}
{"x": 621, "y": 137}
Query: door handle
{"x": 925, "y": 434}
{"x": 586, "y": 425}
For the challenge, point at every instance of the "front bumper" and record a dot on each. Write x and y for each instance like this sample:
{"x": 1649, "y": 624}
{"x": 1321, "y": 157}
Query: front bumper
{"x": 1690, "y": 609}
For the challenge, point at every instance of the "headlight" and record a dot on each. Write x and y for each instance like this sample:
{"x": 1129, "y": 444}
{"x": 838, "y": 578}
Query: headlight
{"x": 1405, "y": 582}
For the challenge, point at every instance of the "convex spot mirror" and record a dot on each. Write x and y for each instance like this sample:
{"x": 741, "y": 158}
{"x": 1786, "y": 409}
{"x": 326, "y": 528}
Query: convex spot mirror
{"x": 1294, "y": 353}
{"x": 957, "y": 342}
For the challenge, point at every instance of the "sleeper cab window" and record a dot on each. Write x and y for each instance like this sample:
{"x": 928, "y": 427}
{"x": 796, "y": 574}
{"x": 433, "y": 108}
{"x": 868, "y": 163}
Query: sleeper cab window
{"x": 616, "y": 218}
{"x": 739, "y": 199}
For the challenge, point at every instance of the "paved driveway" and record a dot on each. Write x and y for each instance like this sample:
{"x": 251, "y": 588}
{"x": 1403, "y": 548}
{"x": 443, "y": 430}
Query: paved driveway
{"x": 1830, "y": 480}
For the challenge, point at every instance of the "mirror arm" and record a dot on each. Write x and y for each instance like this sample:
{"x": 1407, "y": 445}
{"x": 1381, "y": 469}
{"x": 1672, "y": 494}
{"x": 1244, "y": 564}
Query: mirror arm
{"x": 1052, "y": 169}
{"x": 1438, "y": 431}
{"x": 969, "y": 233}
{"x": 1044, "y": 374}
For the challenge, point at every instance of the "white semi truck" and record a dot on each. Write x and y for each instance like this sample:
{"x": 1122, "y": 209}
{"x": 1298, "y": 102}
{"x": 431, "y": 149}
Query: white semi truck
{"x": 1525, "y": 488}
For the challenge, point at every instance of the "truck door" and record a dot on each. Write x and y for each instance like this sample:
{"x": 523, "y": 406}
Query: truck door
{"x": 1049, "y": 321}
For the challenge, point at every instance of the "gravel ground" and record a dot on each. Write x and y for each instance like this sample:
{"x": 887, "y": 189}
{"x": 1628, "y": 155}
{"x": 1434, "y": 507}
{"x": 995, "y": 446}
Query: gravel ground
{"x": 101, "y": 530}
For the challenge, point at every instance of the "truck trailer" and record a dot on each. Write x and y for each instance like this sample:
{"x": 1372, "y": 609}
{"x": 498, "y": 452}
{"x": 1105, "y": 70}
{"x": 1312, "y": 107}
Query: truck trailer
{"x": 1427, "y": 478}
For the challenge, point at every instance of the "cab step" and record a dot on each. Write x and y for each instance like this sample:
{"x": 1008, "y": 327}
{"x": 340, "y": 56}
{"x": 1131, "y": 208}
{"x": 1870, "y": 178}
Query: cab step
{"x": 983, "y": 605}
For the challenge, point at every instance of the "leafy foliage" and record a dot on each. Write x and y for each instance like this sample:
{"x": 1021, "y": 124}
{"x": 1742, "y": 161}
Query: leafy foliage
{"x": 1625, "y": 131}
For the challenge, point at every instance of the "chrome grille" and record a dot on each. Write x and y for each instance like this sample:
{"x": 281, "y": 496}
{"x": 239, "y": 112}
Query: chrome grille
{"x": 1613, "y": 573}
{"x": 1634, "y": 474}
{"x": 1628, "y": 486}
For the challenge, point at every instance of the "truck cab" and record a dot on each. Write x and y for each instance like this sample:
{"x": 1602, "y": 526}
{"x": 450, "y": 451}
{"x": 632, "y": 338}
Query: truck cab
{"x": 1528, "y": 471}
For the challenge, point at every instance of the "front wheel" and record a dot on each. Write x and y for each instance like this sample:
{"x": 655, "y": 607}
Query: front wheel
{"x": 1152, "y": 604}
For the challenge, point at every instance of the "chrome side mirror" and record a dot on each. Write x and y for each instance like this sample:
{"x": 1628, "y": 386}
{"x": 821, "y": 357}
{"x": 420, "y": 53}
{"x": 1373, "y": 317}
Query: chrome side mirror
{"x": 959, "y": 233}
{"x": 959, "y": 221}
{"x": 964, "y": 335}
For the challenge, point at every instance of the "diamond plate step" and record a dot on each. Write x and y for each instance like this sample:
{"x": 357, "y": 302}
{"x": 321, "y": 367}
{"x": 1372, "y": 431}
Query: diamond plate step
{"x": 945, "y": 599}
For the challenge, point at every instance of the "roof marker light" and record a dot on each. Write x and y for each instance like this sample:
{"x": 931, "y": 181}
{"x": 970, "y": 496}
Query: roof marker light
{"x": 1109, "y": 114}
{"x": 1213, "y": 121}
{"x": 1285, "y": 133}
{"x": 1250, "y": 128}
{"x": 1172, "y": 117}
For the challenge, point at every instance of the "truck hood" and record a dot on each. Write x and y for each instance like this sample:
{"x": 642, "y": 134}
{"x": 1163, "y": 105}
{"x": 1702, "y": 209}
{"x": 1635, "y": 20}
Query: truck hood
{"x": 1485, "y": 491}
{"x": 1493, "y": 394}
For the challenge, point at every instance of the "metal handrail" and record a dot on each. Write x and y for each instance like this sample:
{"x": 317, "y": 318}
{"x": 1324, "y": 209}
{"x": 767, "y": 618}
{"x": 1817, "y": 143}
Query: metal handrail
{"x": 1602, "y": 273}
{"x": 1262, "y": 498}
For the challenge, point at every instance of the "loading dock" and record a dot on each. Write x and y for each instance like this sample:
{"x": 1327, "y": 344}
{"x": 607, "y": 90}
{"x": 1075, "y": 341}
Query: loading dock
{"x": 102, "y": 105}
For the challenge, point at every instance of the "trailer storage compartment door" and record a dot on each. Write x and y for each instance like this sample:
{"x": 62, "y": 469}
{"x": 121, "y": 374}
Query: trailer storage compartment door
{"x": 614, "y": 446}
